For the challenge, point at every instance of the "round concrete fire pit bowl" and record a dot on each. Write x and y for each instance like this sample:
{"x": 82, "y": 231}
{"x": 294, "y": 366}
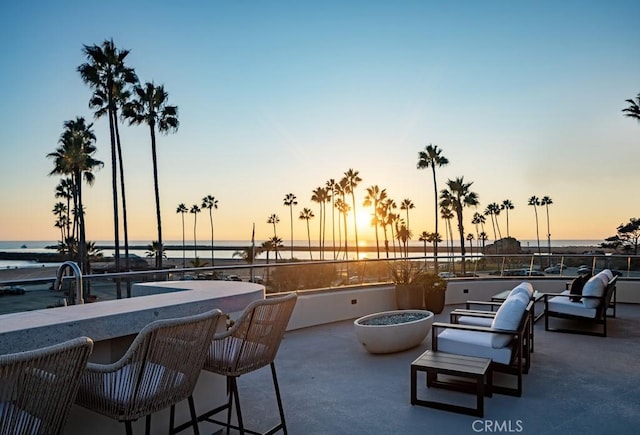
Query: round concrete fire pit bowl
{"x": 393, "y": 331}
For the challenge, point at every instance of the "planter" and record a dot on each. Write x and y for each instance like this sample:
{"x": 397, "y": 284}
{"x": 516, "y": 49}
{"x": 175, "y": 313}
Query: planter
{"x": 434, "y": 300}
{"x": 409, "y": 296}
{"x": 393, "y": 331}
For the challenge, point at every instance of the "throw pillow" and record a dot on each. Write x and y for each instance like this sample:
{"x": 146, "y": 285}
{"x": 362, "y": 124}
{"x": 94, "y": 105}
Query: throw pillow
{"x": 577, "y": 285}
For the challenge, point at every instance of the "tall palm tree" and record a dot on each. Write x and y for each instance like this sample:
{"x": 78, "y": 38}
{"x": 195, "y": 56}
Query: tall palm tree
{"x": 447, "y": 214}
{"x": 506, "y": 206}
{"x": 459, "y": 196}
{"x": 375, "y": 196}
{"x": 535, "y": 202}
{"x": 210, "y": 203}
{"x": 385, "y": 219}
{"x": 352, "y": 179}
{"x": 404, "y": 235}
{"x": 195, "y": 210}
{"x": 274, "y": 219}
{"x": 332, "y": 189}
{"x": 290, "y": 201}
{"x": 321, "y": 196}
{"x": 432, "y": 157}
{"x": 182, "y": 209}
{"x": 74, "y": 157}
{"x": 407, "y": 205}
{"x": 633, "y": 111}
{"x": 106, "y": 73}
{"x": 470, "y": 238}
{"x": 306, "y": 214}
{"x": 150, "y": 107}
{"x": 546, "y": 201}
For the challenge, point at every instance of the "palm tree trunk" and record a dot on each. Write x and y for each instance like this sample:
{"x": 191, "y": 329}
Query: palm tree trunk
{"x": 309, "y": 239}
{"x": 114, "y": 187}
{"x": 435, "y": 193}
{"x": 184, "y": 264}
{"x": 157, "y": 194}
{"x": 355, "y": 223}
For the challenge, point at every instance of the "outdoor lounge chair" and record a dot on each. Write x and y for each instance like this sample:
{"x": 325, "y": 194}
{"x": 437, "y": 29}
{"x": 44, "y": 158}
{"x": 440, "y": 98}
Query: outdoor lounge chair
{"x": 589, "y": 310}
{"x": 482, "y": 313}
{"x": 503, "y": 342}
{"x": 38, "y": 387}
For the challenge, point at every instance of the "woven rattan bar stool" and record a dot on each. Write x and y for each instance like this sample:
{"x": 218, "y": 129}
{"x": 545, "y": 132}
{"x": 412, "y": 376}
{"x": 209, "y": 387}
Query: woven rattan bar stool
{"x": 38, "y": 387}
{"x": 160, "y": 369}
{"x": 250, "y": 344}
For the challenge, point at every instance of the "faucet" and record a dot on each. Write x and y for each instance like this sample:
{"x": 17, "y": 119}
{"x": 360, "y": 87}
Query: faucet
{"x": 77, "y": 272}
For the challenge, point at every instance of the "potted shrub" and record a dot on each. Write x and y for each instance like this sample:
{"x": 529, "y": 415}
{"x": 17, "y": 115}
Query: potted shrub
{"x": 434, "y": 288}
{"x": 409, "y": 291}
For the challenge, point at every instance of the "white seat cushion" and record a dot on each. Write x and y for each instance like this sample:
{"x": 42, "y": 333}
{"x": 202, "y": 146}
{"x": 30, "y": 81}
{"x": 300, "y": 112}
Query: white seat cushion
{"x": 118, "y": 386}
{"x": 566, "y": 306}
{"x": 594, "y": 287}
{"x": 472, "y": 343}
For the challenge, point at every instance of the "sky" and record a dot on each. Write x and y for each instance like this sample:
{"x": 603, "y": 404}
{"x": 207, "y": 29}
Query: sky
{"x": 275, "y": 97}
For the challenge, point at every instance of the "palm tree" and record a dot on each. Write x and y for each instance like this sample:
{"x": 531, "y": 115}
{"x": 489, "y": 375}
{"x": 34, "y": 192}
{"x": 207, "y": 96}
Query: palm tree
{"x": 106, "y": 73}
{"x": 352, "y": 180}
{"x": 150, "y": 107}
{"x": 633, "y": 111}
{"x": 274, "y": 219}
{"x": 248, "y": 254}
{"x": 321, "y": 196}
{"x": 459, "y": 196}
{"x": 210, "y": 202}
{"x": 432, "y": 157}
{"x": 60, "y": 210}
{"x": 506, "y": 206}
{"x": 546, "y": 201}
{"x": 306, "y": 214}
{"x": 535, "y": 202}
{"x": 470, "y": 240}
{"x": 385, "y": 219}
{"x": 344, "y": 208}
{"x": 447, "y": 214}
{"x": 478, "y": 219}
{"x": 64, "y": 190}
{"x": 375, "y": 197}
{"x": 290, "y": 201}
{"x": 404, "y": 235}
{"x": 182, "y": 209}
{"x": 333, "y": 188}
{"x": 154, "y": 250}
{"x": 195, "y": 210}
{"x": 493, "y": 210}
{"x": 74, "y": 157}
{"x": 407, "y": 205}
{"x": 424, "y": 238}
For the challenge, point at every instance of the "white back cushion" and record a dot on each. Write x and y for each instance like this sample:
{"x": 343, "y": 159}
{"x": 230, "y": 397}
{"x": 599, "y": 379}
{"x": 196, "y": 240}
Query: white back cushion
{"x": 593, "y": 287}
{"x": 524, "y": 288}
{"x": 508, "y": 318}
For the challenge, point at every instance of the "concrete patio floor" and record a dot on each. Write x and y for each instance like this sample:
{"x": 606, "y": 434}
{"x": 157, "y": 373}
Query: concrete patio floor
{"x": 330, "y": 385}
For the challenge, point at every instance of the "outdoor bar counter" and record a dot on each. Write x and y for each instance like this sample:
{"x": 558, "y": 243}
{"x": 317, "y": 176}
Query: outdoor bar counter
{"x": 113, "y": 326}
{"x": 109, "y": 320}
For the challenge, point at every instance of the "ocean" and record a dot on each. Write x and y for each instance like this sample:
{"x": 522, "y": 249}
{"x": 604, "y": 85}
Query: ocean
{"x": 229, "y": 247}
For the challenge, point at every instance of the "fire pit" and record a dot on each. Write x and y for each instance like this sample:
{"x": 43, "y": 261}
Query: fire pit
{"x": 393, "y": 331}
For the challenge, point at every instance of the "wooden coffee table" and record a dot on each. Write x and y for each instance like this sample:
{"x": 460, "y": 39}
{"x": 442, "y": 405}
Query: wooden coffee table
{"x": 435, "y": 363}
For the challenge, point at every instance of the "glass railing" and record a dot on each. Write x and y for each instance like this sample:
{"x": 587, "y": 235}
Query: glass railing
{"x": 37, "y": 293}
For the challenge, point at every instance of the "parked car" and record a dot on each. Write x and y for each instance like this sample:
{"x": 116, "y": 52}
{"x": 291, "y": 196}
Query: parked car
{"x": 447, "y": 275}
{"x": 583, "y": 269}
{"x": 556, "y": 268}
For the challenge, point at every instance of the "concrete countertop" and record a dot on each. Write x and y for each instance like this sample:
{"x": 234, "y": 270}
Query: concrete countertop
{"x": 112, "y": 319}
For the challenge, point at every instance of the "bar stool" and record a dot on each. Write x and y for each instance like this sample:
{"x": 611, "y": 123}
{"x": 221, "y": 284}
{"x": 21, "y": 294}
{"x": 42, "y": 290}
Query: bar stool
{"x": 250, "y": 344}
{"x": 37, "y": 387}
{"x": 160, "y": 369}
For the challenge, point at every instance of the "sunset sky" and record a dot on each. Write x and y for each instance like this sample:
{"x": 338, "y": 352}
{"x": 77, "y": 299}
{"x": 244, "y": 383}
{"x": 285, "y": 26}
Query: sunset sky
{"x": 277, "y": 97}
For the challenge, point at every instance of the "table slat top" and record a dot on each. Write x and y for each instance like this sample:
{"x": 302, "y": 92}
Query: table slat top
{"x": 452, "y": 363}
